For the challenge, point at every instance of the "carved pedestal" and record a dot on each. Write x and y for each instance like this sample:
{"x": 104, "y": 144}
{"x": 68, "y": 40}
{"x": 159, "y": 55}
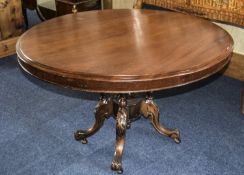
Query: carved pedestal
{"x": 124, "y": 112}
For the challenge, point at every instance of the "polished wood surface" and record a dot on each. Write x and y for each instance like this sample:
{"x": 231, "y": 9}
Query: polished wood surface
{"x": 231, "y": 12}
{"x": 121, "y": 51}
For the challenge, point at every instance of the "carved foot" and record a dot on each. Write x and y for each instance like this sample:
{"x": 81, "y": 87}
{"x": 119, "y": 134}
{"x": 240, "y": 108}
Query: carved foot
{"x": 150, "y": 110}
{"x": 116, "y": 166}
{"x": 175, "y": 135}
{"x": 81, "y": 135}
{"x": 121, "y": 125}
{"x": 103, "y": 110}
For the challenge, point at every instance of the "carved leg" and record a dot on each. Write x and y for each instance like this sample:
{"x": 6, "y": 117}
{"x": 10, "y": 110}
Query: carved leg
{"x": 150, "y": 110}
{"x": 121, "y": 125}
{"x": 103, "y": 110}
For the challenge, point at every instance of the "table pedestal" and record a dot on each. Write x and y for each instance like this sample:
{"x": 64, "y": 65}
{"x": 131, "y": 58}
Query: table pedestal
{"x": 124, "y": 112}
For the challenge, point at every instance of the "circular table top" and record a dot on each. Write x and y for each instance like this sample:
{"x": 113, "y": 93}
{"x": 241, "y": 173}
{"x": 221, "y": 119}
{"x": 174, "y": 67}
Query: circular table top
{"x": 121, "y": 51}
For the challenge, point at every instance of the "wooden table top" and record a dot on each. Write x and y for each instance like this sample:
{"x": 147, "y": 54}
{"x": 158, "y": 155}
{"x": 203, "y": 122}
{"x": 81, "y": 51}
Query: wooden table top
{"x": 121, "y": 51}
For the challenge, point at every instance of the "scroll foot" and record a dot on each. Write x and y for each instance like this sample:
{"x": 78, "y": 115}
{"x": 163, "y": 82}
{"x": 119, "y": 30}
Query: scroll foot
{"x": 80, "y": 135}
{"x": 150, "y": 110}
{"x": 121, "y": 126}
{"x": 103, "y": 110}
{"x": 117, "y": 167}
{"x": 175, "y": 135}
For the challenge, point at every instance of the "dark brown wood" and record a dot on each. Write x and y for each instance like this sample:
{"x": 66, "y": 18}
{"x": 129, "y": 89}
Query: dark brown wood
{"x": 30, "y": 4}
{"x": 149, "y": 109}
{"x": 121, "y": 51}
{"x": 119, "y": 106}
{"x": 72, "y": 6}
{"x": 124, "y": 51}
{"x": 121, "y": 126}
{"x": 231, "y": 12}
{"x": 62, "y": 7}
{"x": 104, "y": 109}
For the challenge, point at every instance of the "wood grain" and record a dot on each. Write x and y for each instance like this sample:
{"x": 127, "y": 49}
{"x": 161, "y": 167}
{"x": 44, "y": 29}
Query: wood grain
{"x": 121, "y": 51}
{"x": 7, "y": 47}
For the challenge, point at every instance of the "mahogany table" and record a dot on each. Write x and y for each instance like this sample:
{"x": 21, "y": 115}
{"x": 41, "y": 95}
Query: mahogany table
{"x": 122, "y": 52}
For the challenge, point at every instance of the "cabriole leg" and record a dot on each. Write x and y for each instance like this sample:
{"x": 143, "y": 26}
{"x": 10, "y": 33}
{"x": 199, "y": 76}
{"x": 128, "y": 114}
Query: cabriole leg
{"x": 149, "y": 109}
{"x": 121, "y": 125}
{"x": 104, "y": 109}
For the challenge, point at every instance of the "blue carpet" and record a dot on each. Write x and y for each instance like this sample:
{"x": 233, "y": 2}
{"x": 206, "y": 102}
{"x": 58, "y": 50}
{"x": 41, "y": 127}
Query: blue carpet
{"x": 37, "y": 121}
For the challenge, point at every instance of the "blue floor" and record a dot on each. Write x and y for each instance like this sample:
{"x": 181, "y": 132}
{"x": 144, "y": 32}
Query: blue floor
{"x": 37, "y": 121}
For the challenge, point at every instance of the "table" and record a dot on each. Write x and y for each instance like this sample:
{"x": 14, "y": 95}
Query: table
{"x": 119, "y": 53}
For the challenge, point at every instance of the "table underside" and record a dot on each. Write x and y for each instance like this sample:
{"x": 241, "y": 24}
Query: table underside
{"x": 125, "y": 109}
